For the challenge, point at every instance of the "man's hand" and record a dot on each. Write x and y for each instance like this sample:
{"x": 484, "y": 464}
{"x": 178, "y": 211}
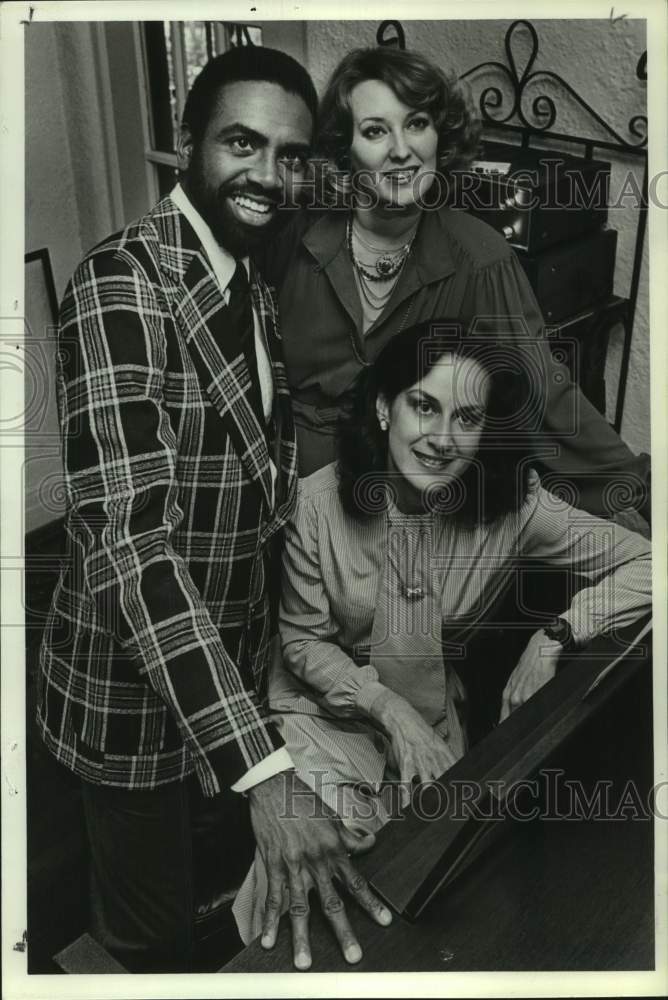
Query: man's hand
{"x": 536, "y": 666}
{"x": 297, "y": 834}
{"x": 416, "y": 750}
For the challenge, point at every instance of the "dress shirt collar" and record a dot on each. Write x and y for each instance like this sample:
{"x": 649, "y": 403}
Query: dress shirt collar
{"x": 221, "y": 260}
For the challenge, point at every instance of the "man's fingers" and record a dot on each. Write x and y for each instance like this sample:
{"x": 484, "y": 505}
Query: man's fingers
{"x": 334, "y": 910}
{"x": 273, "y": 908}
{"x": 299, "y": 911}
{"x": 359, "y": 889}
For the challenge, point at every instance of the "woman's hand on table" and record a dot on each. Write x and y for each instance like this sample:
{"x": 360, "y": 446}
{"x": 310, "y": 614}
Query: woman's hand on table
{"x": 416, "y": 751}
{"x": 536, "y": 666}
{"x": 298, "y": 837}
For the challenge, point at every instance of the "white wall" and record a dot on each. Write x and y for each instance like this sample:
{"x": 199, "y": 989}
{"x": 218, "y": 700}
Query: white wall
{"x": 79, "y": 187}
{"x": 52, "y": 221}
{"x": 75, "y": 144}
{"x": 52, "y": 215}
{"x": 598, "y": 59}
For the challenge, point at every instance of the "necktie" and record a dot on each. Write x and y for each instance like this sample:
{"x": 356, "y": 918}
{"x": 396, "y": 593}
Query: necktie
{"x": 240, "y": 317}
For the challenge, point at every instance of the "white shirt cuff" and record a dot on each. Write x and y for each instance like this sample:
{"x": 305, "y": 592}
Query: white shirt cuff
{"x": 279, "y": 760}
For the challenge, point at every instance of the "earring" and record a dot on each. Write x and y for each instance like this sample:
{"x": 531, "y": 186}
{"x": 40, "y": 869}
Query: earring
{"x": 383, "y": 424}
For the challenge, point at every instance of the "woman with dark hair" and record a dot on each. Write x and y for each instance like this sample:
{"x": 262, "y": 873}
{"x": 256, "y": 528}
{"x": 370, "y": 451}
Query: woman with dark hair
{"x": 492, "y": 485}
{"x": 394, "y": 556}
{"x": 379, "y": 250}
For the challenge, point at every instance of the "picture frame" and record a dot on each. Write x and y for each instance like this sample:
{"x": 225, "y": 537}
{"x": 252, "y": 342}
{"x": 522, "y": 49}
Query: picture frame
{"x": 43, "y": 470}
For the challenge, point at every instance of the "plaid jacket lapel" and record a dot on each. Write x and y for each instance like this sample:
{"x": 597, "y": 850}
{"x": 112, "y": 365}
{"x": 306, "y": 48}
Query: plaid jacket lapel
{"x": 215, "y": 349}
{"x": 285, "y": 449}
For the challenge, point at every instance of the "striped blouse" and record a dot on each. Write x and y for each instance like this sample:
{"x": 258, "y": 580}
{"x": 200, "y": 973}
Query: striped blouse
{"x": 332, "y": 564}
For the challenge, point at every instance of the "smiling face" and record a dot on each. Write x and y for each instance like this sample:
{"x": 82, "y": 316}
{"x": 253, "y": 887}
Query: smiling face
{"x": 256, "y": 140}
{"x": 396, "y": 143}
{"x": 435, "y": 427}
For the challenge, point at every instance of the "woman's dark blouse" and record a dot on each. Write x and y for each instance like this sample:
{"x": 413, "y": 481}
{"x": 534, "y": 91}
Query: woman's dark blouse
{"x": 459, "y": 268}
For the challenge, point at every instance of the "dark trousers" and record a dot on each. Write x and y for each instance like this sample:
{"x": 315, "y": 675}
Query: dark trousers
{"x": 156, "y": 858}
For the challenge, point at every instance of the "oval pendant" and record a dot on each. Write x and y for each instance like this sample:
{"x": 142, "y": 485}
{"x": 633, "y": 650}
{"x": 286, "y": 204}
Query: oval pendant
{"x": 384, "y": 265}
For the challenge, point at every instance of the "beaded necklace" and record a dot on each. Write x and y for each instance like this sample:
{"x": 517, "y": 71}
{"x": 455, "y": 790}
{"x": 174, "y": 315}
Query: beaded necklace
{"x": 369, "y": 296}
{"x": 387, "y": 265}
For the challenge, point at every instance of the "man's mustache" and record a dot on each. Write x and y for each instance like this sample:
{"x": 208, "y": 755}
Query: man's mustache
{"x": 267, "y": 196}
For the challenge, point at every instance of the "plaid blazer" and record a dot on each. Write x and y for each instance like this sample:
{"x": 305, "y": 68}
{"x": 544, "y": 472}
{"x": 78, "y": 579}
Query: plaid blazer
{"x": 156, "y": 648}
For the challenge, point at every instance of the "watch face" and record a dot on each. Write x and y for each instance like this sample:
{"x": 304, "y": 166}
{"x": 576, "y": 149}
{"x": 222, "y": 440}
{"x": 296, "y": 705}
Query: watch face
{"x": 559, "y": 630}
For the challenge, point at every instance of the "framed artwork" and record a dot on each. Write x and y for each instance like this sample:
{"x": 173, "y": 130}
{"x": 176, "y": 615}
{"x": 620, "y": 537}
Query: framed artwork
{"x": 43, "y": 474}
{"x": 41, "y": 299}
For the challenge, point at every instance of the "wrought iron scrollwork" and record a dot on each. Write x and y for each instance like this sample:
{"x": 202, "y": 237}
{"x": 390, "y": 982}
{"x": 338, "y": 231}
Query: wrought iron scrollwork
{"x": 544, "y": 112}
{"x": 398, "y": 40}
{"x": 543, "y": 106}
{"x": 641, "y": 68}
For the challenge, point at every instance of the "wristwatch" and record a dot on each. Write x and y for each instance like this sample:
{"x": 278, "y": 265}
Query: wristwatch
{"x": 560, "y": 631}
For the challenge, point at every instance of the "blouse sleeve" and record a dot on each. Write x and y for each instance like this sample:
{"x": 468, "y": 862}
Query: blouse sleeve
{"x": 572, "y": 439}
{"x": 309, "y": 633}
{"x": 616, "y": 562}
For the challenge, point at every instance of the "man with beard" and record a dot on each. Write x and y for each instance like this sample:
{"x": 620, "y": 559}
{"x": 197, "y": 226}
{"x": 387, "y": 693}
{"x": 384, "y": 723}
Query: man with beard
{"x": 179, "y": 450}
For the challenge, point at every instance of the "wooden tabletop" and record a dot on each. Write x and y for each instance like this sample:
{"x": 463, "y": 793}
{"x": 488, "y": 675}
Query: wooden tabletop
{"x": 568, "y": 896}
{"x": 548, "y": 894}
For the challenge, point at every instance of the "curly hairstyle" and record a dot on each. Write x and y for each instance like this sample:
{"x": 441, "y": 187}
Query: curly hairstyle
{"x": 496, "y": 482}
{"x": 247, "y": 63}
{"x": 417, "y": 83}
